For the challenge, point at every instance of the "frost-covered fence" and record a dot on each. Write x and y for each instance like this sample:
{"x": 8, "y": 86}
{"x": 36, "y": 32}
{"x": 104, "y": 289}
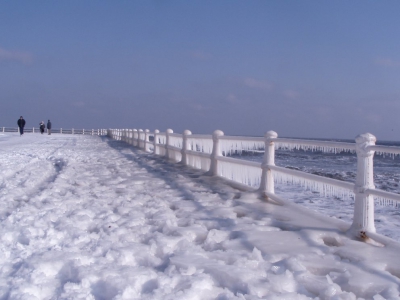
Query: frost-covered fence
{"x": 211, "y": 154}
{"x": 57, "y": 130}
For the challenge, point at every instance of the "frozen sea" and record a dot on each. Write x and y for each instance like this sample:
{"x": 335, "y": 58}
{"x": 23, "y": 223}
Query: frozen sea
{"x": 86, "y": 217}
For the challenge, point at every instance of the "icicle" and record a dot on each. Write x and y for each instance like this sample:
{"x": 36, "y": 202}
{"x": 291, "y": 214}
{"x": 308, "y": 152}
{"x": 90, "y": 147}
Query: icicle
{"x": 306, "y": 147}
{"x": 160, "y": 150}
{"x": 229, "y": 147}
{"x": 383, "y": 154}
{"x": 201, "y": 145}
{"x": 174, "y": 154}
{"x": 198, "y": 162}
{"x": 244, "y": 174}
{"x": 161, "y": 139}
{"x": 386, "y": 202}
{"x": 175, "y": 141}
{"x": 326, "y": 190}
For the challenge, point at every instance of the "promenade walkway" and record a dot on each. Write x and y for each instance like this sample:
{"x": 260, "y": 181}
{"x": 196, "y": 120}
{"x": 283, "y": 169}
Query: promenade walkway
{"x": 86, "y": 217}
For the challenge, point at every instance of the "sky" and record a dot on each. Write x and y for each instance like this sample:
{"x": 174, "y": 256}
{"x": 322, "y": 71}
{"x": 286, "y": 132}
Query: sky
{"x": 87, "y": 217}
{"x": 318, "y": 69}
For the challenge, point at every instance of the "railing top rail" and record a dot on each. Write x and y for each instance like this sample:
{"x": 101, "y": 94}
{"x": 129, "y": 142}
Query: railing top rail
{"x": 319, "y": 145}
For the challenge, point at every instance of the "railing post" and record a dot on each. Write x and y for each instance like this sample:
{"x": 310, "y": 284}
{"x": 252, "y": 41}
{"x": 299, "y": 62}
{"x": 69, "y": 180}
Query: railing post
{"x": 185, "y": 146}
{"x": 130, "y": 135}
{"x": 72, "y": 131}
{"x": 267, "y": 178}
{"x": 146, "y": 139}
{"x": 33, "y": 130}
{"x": 363, "y": 219}
{"x": 83, "y": 131}
{"x": 216, "y": 151}
{"x": 167, "y": 133}
{"x": 60, "y": 130}
{"x": 140, "y": 131}
{"x": 155, "y": 141}
{"x": 135, "y": 137}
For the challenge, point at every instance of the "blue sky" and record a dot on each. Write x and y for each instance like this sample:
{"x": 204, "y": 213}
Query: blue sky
{"x": 302, "y": 68}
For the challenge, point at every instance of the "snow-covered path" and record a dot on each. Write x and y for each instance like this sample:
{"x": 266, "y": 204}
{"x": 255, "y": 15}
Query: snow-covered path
{"x": 85, "y": 217}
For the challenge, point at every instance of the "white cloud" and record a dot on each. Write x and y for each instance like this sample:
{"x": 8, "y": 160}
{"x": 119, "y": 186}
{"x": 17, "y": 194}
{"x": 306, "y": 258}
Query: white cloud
{"x": 258, "y": 84}
{"x": 22, "y": 57}
{"x": 387, "y": 62}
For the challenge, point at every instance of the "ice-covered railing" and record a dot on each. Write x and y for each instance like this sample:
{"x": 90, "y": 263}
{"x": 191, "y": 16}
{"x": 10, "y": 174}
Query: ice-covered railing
{"x": 210, "y": 153}
{"x": 57, "y": 130}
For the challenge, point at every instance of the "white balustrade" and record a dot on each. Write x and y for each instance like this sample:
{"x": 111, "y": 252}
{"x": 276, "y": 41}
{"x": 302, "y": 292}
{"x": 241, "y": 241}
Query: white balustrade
{"x": 208, "y": 153}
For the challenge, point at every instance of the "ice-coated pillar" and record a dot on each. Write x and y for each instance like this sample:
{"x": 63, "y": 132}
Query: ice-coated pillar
{"x": 216, "y": 151}
{"x": 135, "y": 138}
{"x": 267, "y": 178}
{"x": 363, "y": 219}
{"x": 167, "y": 133}
{"x": 131, "y": 136}
{"x": 140, "y": 138}
{"x": 155, "y": 141}
{"x": 185, "y": 146}
{"x": 146, "y": 140}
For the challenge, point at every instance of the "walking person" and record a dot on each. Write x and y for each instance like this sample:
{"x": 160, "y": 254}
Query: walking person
{"x": 41, "y": 127}
{"x": 21, "y": 125}
{"x": 49, "y": 127}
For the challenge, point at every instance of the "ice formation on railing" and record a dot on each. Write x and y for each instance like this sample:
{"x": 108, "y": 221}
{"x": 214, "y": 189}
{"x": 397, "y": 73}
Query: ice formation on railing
{"x": 229, "y": 147}
{"x": 384, "y": 154}
{"x": 161, "y": 139}
{"x": 305, "y": 147}
{"x": 160, "y": 150}
{"x": 324, "y": 189}
{"x": 175, "y": 141}
{"x": 244, "y": 174}
{"x": 201, "y": 145}
{"x": 387, "y": 153}
{"x": 198, "y": 162}
{"x": 386, "y": 202}
{"x": 175, "y": 155}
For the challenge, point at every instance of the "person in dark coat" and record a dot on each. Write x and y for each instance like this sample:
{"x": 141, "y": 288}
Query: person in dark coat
{"x": 41, "y": 127}
{"x": 21, "y": 125}
{"x": 49, "y": 127}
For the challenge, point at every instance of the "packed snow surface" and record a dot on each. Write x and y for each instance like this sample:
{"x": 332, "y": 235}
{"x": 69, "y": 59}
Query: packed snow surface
{"x": 85, "y": 217}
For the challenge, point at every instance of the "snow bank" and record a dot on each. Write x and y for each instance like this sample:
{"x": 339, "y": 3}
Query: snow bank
{"x": 91, "y": 218}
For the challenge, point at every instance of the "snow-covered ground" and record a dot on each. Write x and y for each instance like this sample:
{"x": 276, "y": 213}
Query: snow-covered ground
{"x": 85, "y": 217}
